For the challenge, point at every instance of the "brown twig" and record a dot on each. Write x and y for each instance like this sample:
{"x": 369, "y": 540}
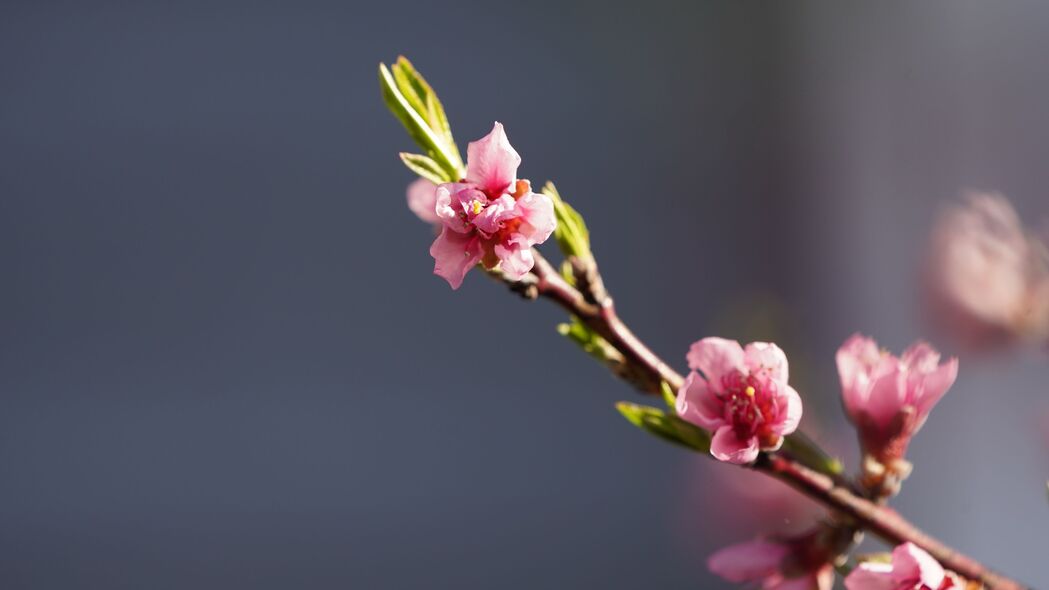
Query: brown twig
{"x": 881, "y": 521}
{"x": 592, "y": 305}
{"x": 600, "y": 316}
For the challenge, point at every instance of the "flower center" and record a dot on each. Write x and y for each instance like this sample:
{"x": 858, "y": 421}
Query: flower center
{"x": 750, "y": 404}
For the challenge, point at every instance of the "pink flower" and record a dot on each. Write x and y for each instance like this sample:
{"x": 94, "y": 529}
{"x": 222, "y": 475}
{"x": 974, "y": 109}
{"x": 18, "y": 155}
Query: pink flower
{"x": 911, "y": 569}
{"x": 744, "y": 500}
{"x": 490, "y": 217}
{"x": 987, "y": 277}
{"x": 422, "y": 200}
{"x": 889, "y": 398}
{"x": 742, "y": 395}
{"x": 777, "y": 565}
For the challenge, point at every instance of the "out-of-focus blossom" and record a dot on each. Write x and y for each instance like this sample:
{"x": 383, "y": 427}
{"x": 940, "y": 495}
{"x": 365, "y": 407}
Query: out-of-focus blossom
{"x": 789, "y": 564}
{"x": 911, "y": 569}
{"x": 422, "y": 200}
{"x": 987, "y": 278}
{"x": 745, "y": 501}
{"x": 887, "y": 398}
{"x": 490, "y": 217}
{"x": 742, "y": 396}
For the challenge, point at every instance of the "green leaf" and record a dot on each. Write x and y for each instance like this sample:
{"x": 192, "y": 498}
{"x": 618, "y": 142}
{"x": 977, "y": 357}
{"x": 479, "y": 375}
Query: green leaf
{"x": 669, "y": 397}
{"x": 571, "y": 234}
{"x": 805, "y": 450}
{"x": 423, "y": 99}
{"x": 666, "y": 426}
{"x": 446, "y": 155}
{"x": 567, "y": 273}
{"x": 591, "y": 342}
{"x": 425, "y": 167}
{"x": 410, "y": 86}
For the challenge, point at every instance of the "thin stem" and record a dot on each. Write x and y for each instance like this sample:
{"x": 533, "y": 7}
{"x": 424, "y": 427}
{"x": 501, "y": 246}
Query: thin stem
{"x": 647, "y": 370}
{"x": 601, "y": 317}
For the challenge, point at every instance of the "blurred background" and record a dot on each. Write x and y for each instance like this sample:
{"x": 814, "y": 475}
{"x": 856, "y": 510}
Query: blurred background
{"x": 224, "y": 361}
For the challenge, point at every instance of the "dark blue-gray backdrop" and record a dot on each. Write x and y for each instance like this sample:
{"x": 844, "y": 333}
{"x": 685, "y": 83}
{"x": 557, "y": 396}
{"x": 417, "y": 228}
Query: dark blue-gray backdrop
{"x": 224, "y": 362}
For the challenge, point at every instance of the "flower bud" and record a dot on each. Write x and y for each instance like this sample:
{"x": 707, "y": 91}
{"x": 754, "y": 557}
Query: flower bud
{"x": 888, "y": 398}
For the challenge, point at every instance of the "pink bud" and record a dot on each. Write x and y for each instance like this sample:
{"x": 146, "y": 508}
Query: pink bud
{"x": 422, "y": 200}
{"x": 741, "y": 395}
{"x": 889, "y": 398}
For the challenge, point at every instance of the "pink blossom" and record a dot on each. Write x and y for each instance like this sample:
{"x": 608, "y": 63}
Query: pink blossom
{"x": 422, "y": 200}
{"x": 490, "y": 216}
{"x": 742, "y": 395}
{"x": 911, "y": 569}
{"x": 987, "y": 278}
{"x": 777, "y": 565}
{"x": 889, "y": 398}
{"x": 743, "y": 500}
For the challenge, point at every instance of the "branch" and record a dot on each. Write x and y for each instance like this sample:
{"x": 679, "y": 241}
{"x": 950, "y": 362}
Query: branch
{"x": 881, "y": 521}
{"x": 592, "y": 305}
{"x": 600, "y": 316}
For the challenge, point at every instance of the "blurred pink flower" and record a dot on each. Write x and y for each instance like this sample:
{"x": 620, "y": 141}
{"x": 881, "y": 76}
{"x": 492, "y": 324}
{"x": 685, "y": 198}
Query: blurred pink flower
{"x": 490, "y": 217}
{"x": 744, "y": 501}
{"x": 422, "y": 200}
{"x": 987, "y": 278}
{"x": 911, "y": 569}
{"x": 742, "y": 395}
{"x": 888, "y": 398}
{"x": 791, "y": 564}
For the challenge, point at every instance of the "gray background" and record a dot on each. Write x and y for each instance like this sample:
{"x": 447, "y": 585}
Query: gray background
{"x": 224, "y": 361}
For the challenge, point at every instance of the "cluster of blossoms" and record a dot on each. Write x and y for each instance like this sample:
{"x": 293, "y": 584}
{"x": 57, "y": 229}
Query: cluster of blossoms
{"x": 491, "y": 216}
{"x": 987, "y": 277}
{"x": 802, "y": 563}
{"x": 985, "y": 268}
{"x": 742, "y": 395}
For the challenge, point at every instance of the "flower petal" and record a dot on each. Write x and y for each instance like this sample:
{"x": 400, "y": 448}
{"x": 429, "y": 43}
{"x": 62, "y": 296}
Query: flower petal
{"x": 748, "y": 562}
{"x": 514, "y": 261}
{"x": 422, "y": 200}
{"x": 454, "y": 255}
{"x": 920, "y": 357}
{"x": 766, "y": 358}
{"x": 492, "y": 217}
{"x": 790, "y": 410}
{"x": 726, "y": 446}
{"x": 913, "y": 566}
{"x": 698, "y": 405}
{"x": 856, "y": 360}
{"x": 934, "y": 385}
{"x": 538, "y": 213}
{"x": 870, "y": 576}
{"x": 886, "y": 397}
{"x": 715, "y": 357}
{"x": 491, "y": 162}
{"x": 453, "y": 201}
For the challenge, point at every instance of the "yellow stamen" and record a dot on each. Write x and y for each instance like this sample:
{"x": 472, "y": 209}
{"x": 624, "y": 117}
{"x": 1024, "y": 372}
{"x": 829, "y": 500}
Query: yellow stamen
{"x": 476, "y": 207}
{"x": 749, "y": 391}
